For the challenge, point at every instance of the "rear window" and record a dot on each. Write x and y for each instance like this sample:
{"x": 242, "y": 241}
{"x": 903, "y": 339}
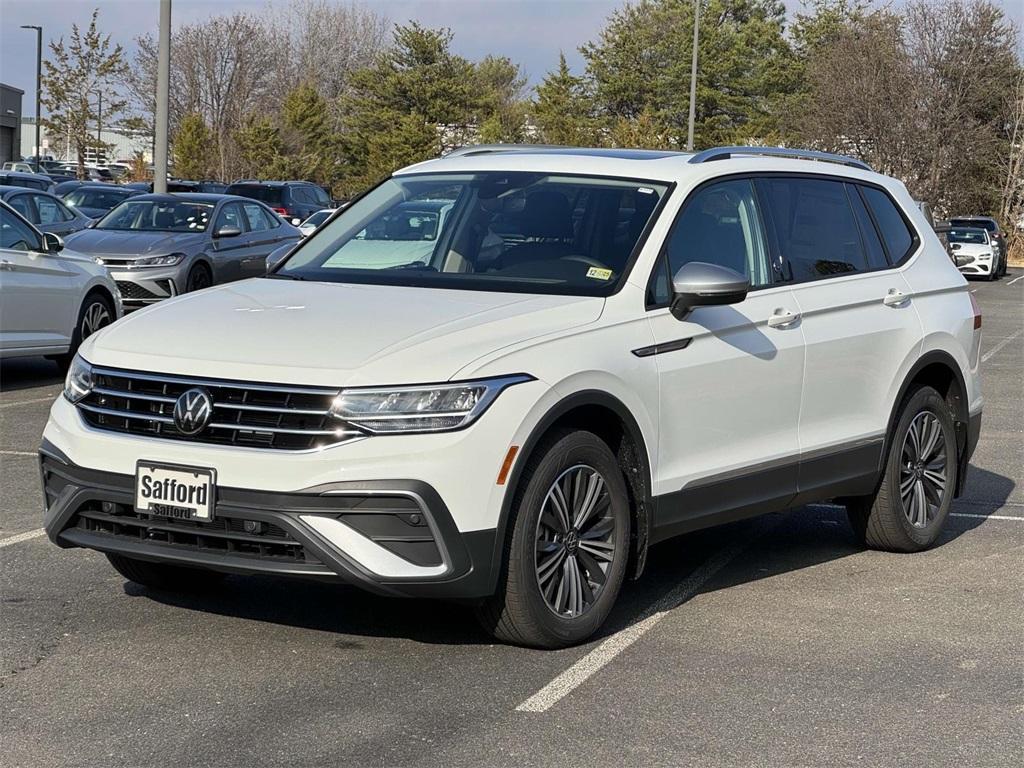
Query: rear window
{"x": 893, "y": 227}
{"x": 268, "y": 195}
{"x": 989, "y": 225}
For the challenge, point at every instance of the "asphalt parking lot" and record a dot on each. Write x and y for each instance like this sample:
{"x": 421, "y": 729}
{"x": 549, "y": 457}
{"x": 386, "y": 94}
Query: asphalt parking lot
{"x": 773, "y": 642}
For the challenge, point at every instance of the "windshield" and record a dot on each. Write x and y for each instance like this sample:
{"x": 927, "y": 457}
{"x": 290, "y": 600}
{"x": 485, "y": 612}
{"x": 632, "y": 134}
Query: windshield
{"x": 505, "y": 231}
{"x": 95, "y": 198}
{"x": 976, "y": 236}
{"x": 158, "y": 216}
{"x": 317, "y": 218}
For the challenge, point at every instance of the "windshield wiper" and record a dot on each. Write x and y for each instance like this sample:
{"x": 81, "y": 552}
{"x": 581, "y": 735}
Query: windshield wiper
{"x": 282, "y": 276}
{"x": 421, "y": 265}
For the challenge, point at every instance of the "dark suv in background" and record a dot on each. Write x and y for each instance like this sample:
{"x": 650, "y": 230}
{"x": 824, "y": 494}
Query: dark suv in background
{"x": 994, "y": 233}
{"x": 295, "y": 201}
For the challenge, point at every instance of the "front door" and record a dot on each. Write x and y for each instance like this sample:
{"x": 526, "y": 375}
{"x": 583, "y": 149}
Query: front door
{"x": 730, "y": 376}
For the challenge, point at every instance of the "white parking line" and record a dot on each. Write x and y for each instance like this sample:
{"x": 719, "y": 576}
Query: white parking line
{"x": 1021, "y": 277}
{"x": 21, "y": 537}
{"x": 1000, "y": 345}
{"x": 612, "y": 646}
{"x": 18, "y": 453}
{"x": 987, "y": 517}
{"x": 49, "y": 399}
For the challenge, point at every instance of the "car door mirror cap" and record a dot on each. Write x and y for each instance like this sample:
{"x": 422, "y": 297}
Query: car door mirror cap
{"x": 52, "y": 243}
{"x": 227, "y": 232}
{"x": 278, "y": 255}
{"x": 699, "y": 284}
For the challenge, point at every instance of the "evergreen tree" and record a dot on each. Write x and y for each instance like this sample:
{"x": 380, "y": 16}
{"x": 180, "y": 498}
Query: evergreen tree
{"x": 259, "y": 147}
{"x": 193, "y": 148}
{"x": 308, "y": 136}
{"x": 562, "y": 108}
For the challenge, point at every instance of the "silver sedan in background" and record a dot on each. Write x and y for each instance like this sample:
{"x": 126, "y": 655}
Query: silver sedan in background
{"x": 161, "y": 245}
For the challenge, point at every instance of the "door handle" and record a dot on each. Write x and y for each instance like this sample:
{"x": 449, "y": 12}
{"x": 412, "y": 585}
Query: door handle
{"x": 6, "y": 266}
{"x": 896, "y": 298}
{"x": 783, "y": 318}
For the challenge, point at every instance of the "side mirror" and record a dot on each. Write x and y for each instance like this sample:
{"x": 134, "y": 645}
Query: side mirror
{"x": 699, "y": 284}
{"x": 278, "y": 255}
{"x": 52, "y": 243}
{"x": 227, "y": 232}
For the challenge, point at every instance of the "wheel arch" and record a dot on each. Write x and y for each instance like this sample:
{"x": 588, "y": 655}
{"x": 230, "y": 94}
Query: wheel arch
{"x": 939, "y": 370}
{"x": 610, "y": 419}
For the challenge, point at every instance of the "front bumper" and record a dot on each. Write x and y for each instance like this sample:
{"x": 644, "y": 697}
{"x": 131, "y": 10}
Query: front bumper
{"x": 399, "y": 538}
{"x": 140, "y": 287}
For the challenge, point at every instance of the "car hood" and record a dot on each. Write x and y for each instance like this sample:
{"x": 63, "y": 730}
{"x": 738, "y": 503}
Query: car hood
{"x": 107, "y": 242}
{"x": 972, "y": 249}
{"x": 330, "y": 334}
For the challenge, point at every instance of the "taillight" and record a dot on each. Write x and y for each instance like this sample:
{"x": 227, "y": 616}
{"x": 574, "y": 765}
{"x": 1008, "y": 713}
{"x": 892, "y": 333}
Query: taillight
{"x": 282, "y": 211}
{"x": 977, "y": 311}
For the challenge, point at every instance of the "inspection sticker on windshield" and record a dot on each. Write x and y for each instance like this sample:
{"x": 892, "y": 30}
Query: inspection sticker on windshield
{"x": 599, "y": 274}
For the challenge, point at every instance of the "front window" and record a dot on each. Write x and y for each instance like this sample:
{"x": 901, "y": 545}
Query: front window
{"x": 506, "y": 231}
{"x": 973, "y": 236}
{"x": 94, "y": 198}
{"x": 974, "y": 223}
{"x": 158, "y": 216}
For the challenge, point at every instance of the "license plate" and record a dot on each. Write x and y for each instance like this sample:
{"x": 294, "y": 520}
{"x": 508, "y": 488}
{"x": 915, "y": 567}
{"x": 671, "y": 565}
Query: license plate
{"x": 166, "y": 490}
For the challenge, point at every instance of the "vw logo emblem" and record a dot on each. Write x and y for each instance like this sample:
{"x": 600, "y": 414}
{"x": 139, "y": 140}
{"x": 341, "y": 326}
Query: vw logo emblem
{"x": 192, "y": 411}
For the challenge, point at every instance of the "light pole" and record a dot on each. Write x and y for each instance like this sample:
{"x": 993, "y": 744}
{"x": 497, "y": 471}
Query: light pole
{"x": 693, "y": 75}
{"x": 163, "y": 77}
{"x": 39, "y": 81}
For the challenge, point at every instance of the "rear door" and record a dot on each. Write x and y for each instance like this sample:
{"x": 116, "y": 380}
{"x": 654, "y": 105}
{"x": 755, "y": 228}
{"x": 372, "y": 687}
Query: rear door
{"x": 858, "y": 321}
{"x": 730, "y": 376}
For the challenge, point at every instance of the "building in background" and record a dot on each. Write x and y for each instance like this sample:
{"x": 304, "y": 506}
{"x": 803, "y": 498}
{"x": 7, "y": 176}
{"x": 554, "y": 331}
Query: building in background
{"x": 10, "y": 123}
{"x": 121, "y": 147}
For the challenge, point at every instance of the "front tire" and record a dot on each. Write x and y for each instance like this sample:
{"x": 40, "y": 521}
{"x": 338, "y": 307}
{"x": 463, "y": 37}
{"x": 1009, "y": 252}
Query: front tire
{"x": 96, "y": 312}
{"x": 909, "y": 510}
{"x": 566, "y": 558}
{"x": 163, "y": 576}
{"x": 199, "y": 277}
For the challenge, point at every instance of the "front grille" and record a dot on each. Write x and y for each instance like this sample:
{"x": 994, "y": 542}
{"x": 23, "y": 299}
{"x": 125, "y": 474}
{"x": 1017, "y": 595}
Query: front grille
{"x": 223, "y": 535}
{"x": 275, "y": 417}
{"x": 130, "y": 290}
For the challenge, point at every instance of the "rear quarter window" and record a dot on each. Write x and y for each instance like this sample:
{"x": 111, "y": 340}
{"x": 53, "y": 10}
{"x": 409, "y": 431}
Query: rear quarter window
{"x": 896, "y": 234}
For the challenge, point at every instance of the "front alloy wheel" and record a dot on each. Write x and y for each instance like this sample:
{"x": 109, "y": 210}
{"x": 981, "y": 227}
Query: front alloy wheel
{"x": 565, "y": 559}
{"x": 575, "y": 541}
{"x": 95, "y": 316}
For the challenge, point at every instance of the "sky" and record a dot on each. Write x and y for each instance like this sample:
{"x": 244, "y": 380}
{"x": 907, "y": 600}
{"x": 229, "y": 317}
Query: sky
{"x": 530, "y": 32}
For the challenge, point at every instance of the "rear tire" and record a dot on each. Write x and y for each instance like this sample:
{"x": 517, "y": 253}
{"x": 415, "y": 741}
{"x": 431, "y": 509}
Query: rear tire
{"x": 162, "y": 576}
{"x": 909, "y": 510}
{"x": 565, "y": 559}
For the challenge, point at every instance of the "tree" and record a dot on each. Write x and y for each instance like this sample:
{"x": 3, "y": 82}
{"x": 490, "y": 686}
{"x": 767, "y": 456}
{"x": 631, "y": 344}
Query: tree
{"x": 562, "y": 108}
{"x": 259, "y": 147}
{"x": 309, "y": 140}
{"x": 86, "y": 67}
{"x": 417, "y": 100}
{"x": 641, "y": 64}
{"x": 192, "y": 145}
{"x": 502, "y": 109}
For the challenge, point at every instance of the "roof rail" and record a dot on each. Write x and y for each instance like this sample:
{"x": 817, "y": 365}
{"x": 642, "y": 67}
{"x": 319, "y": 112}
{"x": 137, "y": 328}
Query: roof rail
{"x": 484, "y": 149}
{"x": 724, "y": 153}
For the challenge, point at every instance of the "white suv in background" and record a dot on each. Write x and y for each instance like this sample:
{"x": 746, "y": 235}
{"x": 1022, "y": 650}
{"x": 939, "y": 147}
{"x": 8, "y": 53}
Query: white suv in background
{"x": 590, "y": 352}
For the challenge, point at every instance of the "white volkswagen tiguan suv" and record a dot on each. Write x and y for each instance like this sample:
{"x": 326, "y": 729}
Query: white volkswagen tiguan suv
{"x": 589, "y": 352}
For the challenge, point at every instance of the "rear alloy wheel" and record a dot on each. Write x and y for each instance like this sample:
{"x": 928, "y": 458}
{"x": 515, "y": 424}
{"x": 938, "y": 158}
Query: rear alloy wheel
{"x": 199, "y": 277}
{"x": 909, "y": 510}
{"x": 566, "y": 557}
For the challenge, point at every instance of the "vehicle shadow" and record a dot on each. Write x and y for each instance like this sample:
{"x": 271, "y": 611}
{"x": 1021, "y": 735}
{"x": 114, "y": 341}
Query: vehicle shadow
{"x": 28, "y": 372}
{"x": 785, "y": 542}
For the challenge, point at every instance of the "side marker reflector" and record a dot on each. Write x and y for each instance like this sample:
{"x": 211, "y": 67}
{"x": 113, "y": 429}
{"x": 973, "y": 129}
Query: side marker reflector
{"x": 506, "y": 465}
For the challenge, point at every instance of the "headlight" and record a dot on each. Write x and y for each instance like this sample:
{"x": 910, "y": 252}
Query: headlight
{"x": 159, "y": 261}
{"x": 78, "y": 383}
{"x": 431, "y": 408}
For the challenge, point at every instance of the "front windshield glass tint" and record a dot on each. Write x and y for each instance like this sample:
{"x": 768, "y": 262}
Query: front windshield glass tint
{"x": 521, "y": 232}
{"x": 976, "y": 236}
{"x": 158, "y": 216}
